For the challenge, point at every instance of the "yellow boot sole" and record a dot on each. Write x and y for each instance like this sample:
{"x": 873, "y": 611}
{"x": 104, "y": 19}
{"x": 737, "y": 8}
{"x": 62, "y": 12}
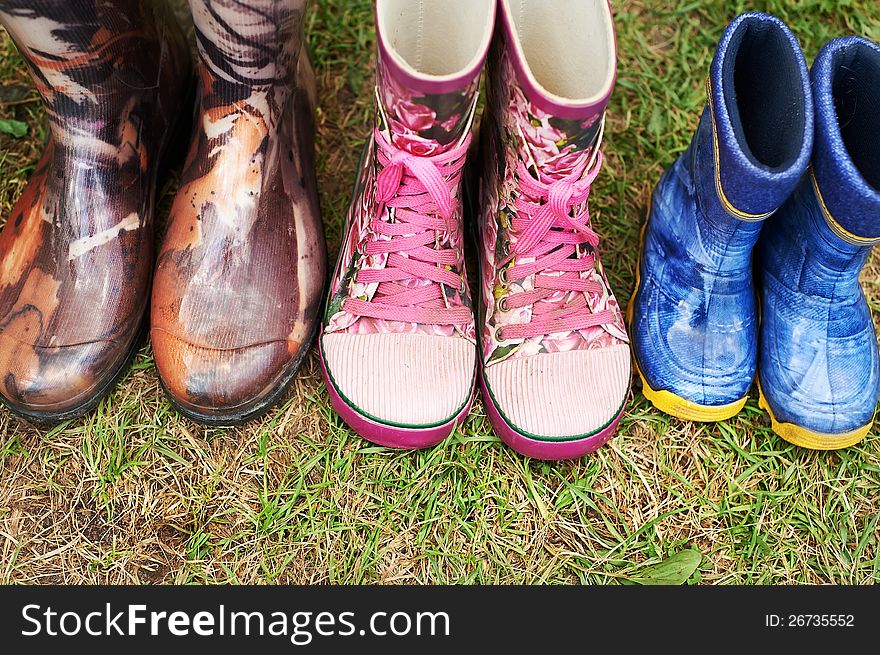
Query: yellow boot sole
{"x": 668, "y": 403}
{"x": 805, "y": 438}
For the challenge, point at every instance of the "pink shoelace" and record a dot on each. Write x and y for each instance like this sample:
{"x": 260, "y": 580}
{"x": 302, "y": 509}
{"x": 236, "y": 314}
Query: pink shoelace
{"x": 420, "y": 190}
{"x": 549, "y": 233}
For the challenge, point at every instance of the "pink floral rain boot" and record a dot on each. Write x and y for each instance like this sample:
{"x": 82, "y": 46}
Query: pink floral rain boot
{"x": 399, "y": 341}
{"x": 556, "y": 358}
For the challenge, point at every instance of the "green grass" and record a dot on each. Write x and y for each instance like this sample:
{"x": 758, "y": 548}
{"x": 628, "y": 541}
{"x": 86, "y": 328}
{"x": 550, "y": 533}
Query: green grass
{"x": 134, "y": 493}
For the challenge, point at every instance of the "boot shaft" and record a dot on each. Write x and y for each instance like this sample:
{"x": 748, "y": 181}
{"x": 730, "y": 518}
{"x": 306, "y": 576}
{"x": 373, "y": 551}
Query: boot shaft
{"x": 846, "y": 160}
{"x": 527, "y": 124}
{"x": 547, "y": 97}
{"x": 92, "y": 62}
{"x": 821, "y": 239}
{"x": 428, "y": 78}
{"x": 249, "y": 53}
{"x": 755, "y": 136}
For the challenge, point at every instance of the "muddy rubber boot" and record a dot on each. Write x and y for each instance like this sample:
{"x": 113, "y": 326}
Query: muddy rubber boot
{"x": 399, "y": 345}
{"x": 239, "y": 279}
{"x": 818, "y": 369}
{"x": 76, "y": 254}
{"x": 556, "y": 360}
{"x": 694, "y": 321}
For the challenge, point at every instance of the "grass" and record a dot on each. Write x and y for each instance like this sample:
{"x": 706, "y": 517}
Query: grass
{"x": 136, "y": 494}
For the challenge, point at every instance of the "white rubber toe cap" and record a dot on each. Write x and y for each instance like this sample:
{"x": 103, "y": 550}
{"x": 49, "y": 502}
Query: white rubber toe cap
{"x": 411, "y": 380}
{"x": 562, "y": 395}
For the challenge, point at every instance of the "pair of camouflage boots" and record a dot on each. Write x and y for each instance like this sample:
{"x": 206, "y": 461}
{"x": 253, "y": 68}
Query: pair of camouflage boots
{"x": 237, "y": 287}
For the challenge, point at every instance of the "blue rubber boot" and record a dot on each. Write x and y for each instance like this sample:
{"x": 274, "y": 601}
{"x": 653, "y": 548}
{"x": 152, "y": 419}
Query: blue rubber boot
{"x": 693, "y": 316}
{"x": 818, "y": 369}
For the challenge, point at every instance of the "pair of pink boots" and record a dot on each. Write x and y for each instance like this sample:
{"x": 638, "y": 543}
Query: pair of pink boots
{"x": 401, "y": 348}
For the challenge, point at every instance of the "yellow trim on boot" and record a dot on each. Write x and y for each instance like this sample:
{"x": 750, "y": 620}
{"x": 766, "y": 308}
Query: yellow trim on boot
{"x": 722, "y": 197}
{"x": 666, "y": 401}
{"x": 805, "y": 438}
{"x": 836, "y": 227}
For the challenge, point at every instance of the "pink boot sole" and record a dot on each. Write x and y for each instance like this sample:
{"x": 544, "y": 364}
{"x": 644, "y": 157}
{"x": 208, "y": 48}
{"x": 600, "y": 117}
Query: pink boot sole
{"x": 547, "y": 450}
{"x": 388, "y": 435}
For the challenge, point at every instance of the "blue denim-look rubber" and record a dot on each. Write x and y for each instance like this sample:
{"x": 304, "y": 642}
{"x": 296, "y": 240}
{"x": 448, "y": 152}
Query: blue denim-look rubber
{"x": 818, "y": 356}
{"x": 694, "y": 324}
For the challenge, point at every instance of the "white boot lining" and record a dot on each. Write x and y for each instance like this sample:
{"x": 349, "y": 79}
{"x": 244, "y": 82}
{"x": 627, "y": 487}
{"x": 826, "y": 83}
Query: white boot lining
{"x": 436, "y": 38}
{"x": 568, "y": 46}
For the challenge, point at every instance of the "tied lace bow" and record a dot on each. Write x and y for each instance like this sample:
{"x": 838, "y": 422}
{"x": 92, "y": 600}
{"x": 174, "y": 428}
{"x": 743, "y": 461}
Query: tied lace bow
{"x": 420, "y": 191}
{"x": 549, "y": 234}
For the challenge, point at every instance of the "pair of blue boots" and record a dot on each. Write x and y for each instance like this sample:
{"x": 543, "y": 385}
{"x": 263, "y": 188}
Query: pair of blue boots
{"x": 756, "y": 237}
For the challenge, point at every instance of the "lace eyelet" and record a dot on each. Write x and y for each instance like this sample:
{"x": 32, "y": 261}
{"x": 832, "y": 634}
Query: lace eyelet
{"x": 502, "y": 304}
{"x": 502, "y": 276}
